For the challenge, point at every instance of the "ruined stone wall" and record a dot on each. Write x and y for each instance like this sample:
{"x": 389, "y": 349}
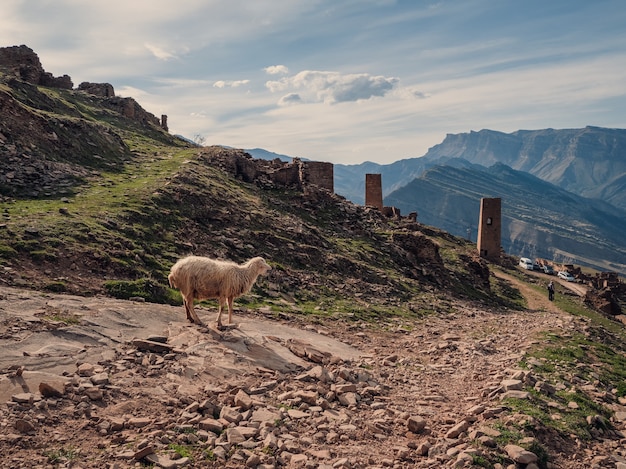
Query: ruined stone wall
{"x": 374, "y": 191}
{"x": 294, "y": 174}
{"x": 320, "y": 174}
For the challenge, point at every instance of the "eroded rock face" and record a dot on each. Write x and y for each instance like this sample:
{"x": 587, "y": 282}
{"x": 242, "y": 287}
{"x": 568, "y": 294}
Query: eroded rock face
{"x": 23, "y": 63}
{"x": 98, "y": 89}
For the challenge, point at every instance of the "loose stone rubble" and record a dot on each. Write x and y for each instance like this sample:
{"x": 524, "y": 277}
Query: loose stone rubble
{"x": 425, "y": 396}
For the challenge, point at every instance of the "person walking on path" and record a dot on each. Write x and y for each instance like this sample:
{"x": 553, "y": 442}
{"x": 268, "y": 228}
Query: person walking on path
{"x": 551, "y": 291}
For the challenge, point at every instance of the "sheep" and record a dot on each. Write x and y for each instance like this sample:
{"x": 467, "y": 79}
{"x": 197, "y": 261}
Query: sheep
{"x": 201, "y": 278}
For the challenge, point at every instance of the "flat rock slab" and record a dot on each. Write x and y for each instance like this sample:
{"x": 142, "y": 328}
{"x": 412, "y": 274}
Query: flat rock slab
{"x": 30, "y": 337}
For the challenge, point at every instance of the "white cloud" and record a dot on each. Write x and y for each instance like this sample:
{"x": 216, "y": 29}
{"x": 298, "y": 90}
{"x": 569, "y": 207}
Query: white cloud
{"x": 291, "y": 98}
{"x": 132, "y": 92}
{"x": 276, "y": 70}
{"x": 159, "y": 52}
{"x": 230, "y": 84}
{"x": 333, "y": 87}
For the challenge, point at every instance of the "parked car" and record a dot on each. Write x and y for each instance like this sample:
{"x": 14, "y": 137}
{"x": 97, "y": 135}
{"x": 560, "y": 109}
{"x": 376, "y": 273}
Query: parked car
{"x": 526, "y": 263}
{"x": 536, "y": 266}
{"x": 547, "y": 269}
{"x": 565, "y": 275}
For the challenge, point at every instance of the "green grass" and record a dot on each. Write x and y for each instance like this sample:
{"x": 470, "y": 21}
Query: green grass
{"x": 62, "y": 316}
{"x": 182, "y": 450}
{"x": 61, "y": 455}
{"x": 143, "y": 288}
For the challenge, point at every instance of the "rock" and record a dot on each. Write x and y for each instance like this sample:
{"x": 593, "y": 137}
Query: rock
{"x": 234, "y": 436}
{"x": 345, "y": 388}
{"x": 423, "y": 448}
{"x": 253, "y": 460}
{"x": 85, "y": 369}
{"x": 139, "y": 422}
{"x": 230, "y": 414}
{"x": 24, "y": 426}
{"x": 298, "y": 460}
{"x": 310, "y": 397}
{"x": 211, "y": 425}
{"x": 520, "y": 455}
{"x": 265, "y": 414}
{"x": 142, "y": 453}
{"x": 51, "y": 389}
{"x": 100, "y": 379}
{"x": 243, "y": 400}
{"x": 152, "y": 346}
{"x": 416, "y": 424}
{"x": 116, "y": 424}
{"x": 348, "y": 399}
{"x": 512, "y": 385}
{"x": 297, "y": 414}
{"x": 95, "y": 394}
{"x": 317, "y": 373}
{"x": 166, "y": 463}
{"x": 515, "y": 395}
{"x": 459, "y": 428}
{"x": 23, "y": 398}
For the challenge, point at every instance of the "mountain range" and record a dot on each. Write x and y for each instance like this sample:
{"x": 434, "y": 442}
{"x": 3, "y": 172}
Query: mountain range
{"x": 563, "y": 191}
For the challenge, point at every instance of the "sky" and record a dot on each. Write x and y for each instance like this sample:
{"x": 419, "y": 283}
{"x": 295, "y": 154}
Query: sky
{"x": 345, "y": 81}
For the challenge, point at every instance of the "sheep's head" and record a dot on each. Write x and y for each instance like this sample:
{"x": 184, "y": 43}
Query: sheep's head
{"x": 259, "y": 265}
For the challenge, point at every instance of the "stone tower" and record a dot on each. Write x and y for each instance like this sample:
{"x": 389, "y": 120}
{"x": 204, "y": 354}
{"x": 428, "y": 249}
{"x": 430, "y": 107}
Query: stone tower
{"x": 490, "y": 228}
{"x": 374, "y": 191}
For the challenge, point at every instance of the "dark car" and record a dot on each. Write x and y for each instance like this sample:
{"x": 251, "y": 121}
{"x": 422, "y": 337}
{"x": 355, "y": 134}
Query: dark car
{"x": 547, "y": 269}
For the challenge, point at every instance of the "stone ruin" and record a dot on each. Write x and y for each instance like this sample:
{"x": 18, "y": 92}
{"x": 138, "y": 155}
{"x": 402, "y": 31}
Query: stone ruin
{"x": 296, "y": 174}
{"x": 490, "y": 228}
{"x": 374, "y": 198}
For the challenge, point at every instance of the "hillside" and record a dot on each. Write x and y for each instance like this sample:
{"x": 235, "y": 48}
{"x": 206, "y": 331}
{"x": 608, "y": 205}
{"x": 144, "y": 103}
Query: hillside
{"x": 100, "y": 199}
{"x": 373, "y": 341}
{"x": 539, "y": 219}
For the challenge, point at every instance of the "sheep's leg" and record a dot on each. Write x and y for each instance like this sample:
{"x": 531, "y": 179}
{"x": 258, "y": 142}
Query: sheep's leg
{"x": 218, "y": 319}
{"x": 191, "y": 313}
{"x": 230, "y": 309}
{"x": 186, "y": 305}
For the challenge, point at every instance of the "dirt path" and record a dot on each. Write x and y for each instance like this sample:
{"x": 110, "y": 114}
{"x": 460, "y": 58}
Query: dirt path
{"x": 535, "y": 300}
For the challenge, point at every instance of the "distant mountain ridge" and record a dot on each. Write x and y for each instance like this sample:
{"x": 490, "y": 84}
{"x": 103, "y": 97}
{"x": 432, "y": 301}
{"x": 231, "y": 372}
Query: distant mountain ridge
{"x": 590, "y": 162}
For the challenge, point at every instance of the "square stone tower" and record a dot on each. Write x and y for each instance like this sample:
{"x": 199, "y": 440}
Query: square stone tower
{"x": 490, "y": 228}
{"x": 374, "y": 191}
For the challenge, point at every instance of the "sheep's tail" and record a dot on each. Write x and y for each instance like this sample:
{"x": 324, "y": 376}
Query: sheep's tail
{"x": 170, "y": 279}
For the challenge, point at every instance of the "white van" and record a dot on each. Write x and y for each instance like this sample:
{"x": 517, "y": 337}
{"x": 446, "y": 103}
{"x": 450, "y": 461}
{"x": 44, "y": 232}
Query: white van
{"x": 526, "y": 263}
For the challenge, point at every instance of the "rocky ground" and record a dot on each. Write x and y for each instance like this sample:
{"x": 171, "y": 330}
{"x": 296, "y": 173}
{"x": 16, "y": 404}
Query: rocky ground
{"x": 103, "y": 383}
